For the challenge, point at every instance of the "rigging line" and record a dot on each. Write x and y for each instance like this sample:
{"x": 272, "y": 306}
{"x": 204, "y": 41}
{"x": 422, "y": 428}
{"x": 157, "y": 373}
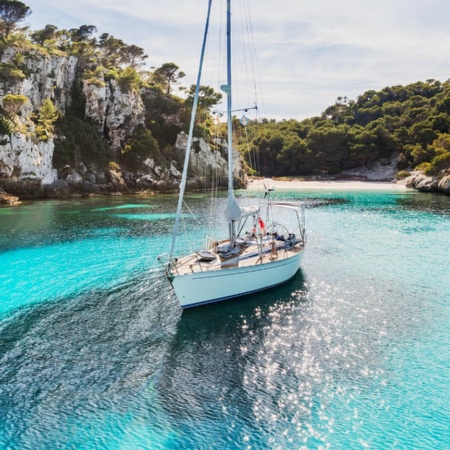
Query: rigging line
{"x": 214, "y": 186}
{"x": 191, "y": 132}
{"x": 245, "y": 60}
{"x": 254, "y": 59}
{"x": 249, "y": 41}
{"x": 197, "y": 218}
{"x": 249, "y": 150}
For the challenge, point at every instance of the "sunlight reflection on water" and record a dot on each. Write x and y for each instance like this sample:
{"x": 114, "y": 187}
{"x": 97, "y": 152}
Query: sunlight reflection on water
{"x": 96, "y": 353}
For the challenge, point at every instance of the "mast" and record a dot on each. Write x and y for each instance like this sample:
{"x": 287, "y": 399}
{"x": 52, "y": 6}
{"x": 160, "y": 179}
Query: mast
{"x": 229, "y": 103}
{"x": 231, "y": 198}
{"x": 191, "y": 133}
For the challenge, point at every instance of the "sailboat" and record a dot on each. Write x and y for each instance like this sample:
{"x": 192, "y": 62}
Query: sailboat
{"x": 259, "y": 252}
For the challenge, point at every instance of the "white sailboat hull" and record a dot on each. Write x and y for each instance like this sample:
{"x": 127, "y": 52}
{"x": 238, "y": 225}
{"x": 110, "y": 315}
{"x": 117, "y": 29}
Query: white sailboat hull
{"x": 199, "y": 288}
{"x": 267, "y": 254}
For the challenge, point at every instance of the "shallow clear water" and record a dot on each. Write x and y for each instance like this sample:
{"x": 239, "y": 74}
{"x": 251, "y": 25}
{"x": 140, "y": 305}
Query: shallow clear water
{"x": 95, "y": 352}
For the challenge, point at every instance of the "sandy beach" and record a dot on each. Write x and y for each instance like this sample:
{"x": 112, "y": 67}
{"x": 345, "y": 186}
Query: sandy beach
{"x": 332, "y": 185}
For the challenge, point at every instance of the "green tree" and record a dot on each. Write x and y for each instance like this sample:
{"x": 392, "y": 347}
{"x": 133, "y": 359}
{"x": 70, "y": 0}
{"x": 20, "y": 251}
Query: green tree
{"x": 294, "y": 158}
{"x": 46, "y": 34}
{"x": 385, "y": 141}
{"x": 12, "y": 12}
{"x": 46, "y": 118}
{"x": 132, "y": 55}
{"x": 140, "y": 146}
{"x": 440, "y": 122}
{"x": 167, "y": 76}
{"x": 443, "y": 105}
{"x": 442, "y": 144}
{"x": 363, "y": 147}
{"x": 439, "y": 164}
{"x": 82, "y": 34}
{"x": 110, "y": 48}
{"x": 129, "y": 79}
{"x": 422, "y": 133}
{"x": 329, "y": 144}
{"x": 207, "y": 97}
{"x": 419, "y": 154}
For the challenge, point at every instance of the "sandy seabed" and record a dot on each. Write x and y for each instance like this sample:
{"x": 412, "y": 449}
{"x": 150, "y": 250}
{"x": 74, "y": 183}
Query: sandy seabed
{"x": 332, "y": 185}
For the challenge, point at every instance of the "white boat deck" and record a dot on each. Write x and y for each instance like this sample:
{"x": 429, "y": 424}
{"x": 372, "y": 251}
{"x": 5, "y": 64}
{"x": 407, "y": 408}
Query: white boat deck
{"x": 251, "y": 253}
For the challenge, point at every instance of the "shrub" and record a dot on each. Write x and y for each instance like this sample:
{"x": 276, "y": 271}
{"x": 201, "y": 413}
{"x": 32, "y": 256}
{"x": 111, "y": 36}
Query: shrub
{"x": 402, "y": 174}
{"x": 140, "y": 146}
{"x": 6, "y": 126}
{"x": 129, "y": 80}
{"x": 423, "y": 166}
{"x": 113, "y": 166}
{"x": 95, "y": 77}
{"x": 111, "y": 74}
{"x": 439, "y": 164}
{"x": 13, "y": 103}
{"x": 96, "y": 82}
{"x": 78, "y": 141}
{"x": 46, "y": 118}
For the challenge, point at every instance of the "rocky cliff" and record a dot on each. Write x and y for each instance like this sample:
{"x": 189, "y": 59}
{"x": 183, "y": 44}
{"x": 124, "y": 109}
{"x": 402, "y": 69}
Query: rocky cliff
{"x": 27, "y": 164}
{"x": 22, "y": 155}
{"x": 423, "y": 183}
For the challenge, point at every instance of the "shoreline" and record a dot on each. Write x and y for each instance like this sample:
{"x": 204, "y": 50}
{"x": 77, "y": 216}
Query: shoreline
{"x": 254, "y": 185}
{"x": 335, "y": 185}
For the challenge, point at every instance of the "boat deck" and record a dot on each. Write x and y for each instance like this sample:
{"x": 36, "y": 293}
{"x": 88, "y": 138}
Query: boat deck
{"x": 249, "y": 253}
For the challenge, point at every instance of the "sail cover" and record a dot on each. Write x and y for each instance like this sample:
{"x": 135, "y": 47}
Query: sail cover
{"x": 235, "y": 212}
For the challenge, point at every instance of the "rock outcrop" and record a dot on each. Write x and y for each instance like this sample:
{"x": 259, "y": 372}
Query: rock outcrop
{"x": 22, "y": 155}
{"x": 26, "y": 160}
{"x": 424, "y": 183}
{"x": 207, "y": 164}
{"x": 114, "y": 113}
{"x": 383, "y": 170}
{"x": 7, "y": 199}
{"x": 444, "y": 185}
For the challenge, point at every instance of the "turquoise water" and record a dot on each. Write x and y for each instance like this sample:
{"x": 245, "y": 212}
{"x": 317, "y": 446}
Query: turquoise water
{"x": 354, "y": 352}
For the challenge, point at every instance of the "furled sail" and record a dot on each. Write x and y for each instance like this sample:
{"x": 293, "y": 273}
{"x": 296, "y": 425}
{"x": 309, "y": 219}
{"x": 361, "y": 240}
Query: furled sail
{"x": 235, "y": 212}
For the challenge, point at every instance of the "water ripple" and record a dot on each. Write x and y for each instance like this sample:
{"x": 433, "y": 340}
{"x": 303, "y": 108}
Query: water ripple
{"x": 352, "y": 353}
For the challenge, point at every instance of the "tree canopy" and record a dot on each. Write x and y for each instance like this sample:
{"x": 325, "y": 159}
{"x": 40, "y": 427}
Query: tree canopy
{"x": 12, "y": 12}
{"x": 167, "y": 76}
{"x": 409, "y": 122}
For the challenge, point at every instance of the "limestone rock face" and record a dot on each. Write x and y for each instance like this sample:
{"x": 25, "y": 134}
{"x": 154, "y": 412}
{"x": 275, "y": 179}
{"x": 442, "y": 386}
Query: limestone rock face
{"x": 48, "y": 77}
{"x": 21, "y": 154}
{"x": 418, "y": 180}
{"x": 427, "y": 184}
{"x": 6, "y": 199}
{"x": 117, "y": 181}
{"x": 383, "y": 170}
{"x": 74, "y": 180}
{"x": 444, "y": 185}
{"x": 115, "y": 113}
{"x": 206, "y": 163}
{"x": 24, "y": 158}
{"x": 26, "y": 161}
{"x": 58, "y": 189}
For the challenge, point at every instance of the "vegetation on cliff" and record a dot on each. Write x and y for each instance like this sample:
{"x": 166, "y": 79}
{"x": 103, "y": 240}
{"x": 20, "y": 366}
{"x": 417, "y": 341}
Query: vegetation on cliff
{"x": 103, "y": 62}
{"x": 409, "y": 122}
